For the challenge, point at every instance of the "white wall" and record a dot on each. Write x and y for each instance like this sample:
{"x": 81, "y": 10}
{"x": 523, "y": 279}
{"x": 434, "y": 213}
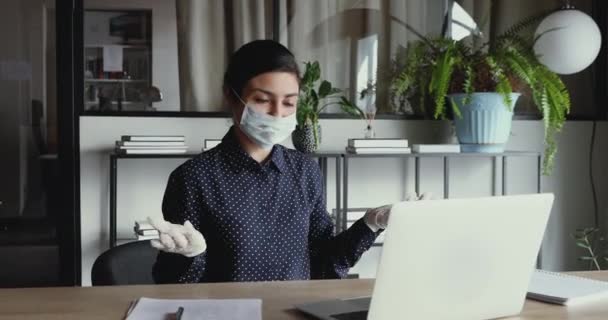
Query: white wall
{"x": 372, "y": 181}
{"x": 164, "y": 44}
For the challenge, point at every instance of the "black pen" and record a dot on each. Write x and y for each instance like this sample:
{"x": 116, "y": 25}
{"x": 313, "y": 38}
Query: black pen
{"x": 178, "y": 314}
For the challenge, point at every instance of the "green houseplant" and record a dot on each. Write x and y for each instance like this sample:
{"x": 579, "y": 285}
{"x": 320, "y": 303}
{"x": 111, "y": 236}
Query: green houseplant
{"x": 594, "y": 247}
{"x": 315, "y": 96}
{"x": 452, "y": 74}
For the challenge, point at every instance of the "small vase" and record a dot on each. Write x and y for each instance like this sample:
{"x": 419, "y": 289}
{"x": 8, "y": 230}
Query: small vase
{"x": 307, "y": 138}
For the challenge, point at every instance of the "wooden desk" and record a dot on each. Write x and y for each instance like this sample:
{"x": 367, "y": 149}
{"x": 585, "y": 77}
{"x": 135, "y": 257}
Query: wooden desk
{"x": 278, "y": 299}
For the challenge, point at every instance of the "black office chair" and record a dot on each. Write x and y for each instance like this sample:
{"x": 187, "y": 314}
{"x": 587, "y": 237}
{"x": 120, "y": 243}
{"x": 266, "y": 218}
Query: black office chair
{"x": 126, "y": 264}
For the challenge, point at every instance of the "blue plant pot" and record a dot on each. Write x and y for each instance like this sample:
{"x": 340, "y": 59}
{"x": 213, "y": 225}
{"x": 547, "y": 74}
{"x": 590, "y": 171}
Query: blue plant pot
{"x": 485, "y": 125}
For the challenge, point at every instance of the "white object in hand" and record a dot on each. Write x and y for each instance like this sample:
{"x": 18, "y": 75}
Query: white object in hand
{"x": 180, "y": 239}
{"x": 377, "y": 218}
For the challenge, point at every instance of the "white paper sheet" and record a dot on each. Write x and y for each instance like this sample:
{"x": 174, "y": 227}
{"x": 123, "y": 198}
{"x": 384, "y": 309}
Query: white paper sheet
{"x": 200, "y": 309}
{"x": 112, "y": 58}
{"x": 566, "y": 289}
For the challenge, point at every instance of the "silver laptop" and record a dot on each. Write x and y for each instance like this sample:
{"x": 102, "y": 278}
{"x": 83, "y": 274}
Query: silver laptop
{"x": 452, "y": 259}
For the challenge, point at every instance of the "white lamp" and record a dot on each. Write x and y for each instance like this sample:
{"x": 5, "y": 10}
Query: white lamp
{"x": 570, "y": 43}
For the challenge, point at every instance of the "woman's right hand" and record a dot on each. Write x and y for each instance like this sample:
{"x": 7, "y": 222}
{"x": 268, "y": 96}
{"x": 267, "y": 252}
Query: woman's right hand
{"x": 176, "y": 238}
{"x": 377, "y": 218}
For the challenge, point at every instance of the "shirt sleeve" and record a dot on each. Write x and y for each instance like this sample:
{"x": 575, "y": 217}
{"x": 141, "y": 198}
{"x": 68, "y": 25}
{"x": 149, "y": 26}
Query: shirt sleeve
{"x": 181, "y": 202}
{"x": 332, "y": 256}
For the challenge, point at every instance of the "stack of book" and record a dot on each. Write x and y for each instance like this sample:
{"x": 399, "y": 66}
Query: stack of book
{"x": 151, "y": 145}
{"x": 211, "y": 143}
{"x": 436, "y": 148}
{"x": 145, "y": 231}
{"x": 378, "y": 145}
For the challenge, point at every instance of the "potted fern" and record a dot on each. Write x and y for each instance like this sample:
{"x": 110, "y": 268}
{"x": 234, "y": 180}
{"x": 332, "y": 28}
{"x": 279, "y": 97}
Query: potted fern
{"x": 315, "y": 96}
{"x": 478, "y": 86}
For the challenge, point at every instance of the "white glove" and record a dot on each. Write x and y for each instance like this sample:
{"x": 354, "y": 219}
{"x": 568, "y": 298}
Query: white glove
{"x": 175, "y": 238}
{"x": 377, "y": 218}
{"x": 423, "y": 196}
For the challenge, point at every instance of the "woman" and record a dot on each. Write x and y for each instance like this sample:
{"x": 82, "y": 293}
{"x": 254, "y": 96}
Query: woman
{"x": 251, "y": 209}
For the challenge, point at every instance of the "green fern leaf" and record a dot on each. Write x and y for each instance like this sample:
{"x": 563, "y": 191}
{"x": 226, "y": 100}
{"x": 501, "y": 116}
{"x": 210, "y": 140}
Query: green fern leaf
{"x": 455, "y": 108}
{"x": 468, "y": 83}
{"x": 524, "y": 24}
{"x": 440, "y": 81}
{"x": 503, "y": 86}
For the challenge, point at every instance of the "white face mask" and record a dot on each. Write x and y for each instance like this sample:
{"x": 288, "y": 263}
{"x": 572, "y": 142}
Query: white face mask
{"x": 266, "y": 130}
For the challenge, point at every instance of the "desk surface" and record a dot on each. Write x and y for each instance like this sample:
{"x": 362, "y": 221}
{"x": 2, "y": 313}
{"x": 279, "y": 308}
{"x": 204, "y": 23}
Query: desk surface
{"x": 278, "y": 299}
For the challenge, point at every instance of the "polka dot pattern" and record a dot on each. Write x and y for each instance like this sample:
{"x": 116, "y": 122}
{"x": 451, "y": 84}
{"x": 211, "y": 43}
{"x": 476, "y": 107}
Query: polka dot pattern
{"x": 262, "y": 222}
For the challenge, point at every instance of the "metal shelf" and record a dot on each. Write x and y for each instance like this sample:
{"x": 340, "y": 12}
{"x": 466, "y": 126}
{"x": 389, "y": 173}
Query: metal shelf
{"x": 114, "y": 157}
{"x": 342, "y": 172}
{"x": 116, "y": 80}
{"x": 496, "y": 157}
{"x": 194, "y": 154}
{"x": 125, "y": 103}
{"x": 126, "y": 46}
{"x": 442, "y": 155}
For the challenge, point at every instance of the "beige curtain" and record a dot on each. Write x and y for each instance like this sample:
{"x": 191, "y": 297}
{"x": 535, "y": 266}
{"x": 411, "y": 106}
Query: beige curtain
{"x": 495, "y": 16}
{"x": 481, "y": 13}
{"x": 408, "y": 21}
{"x": 355, "y": 40}
{"x": 208, "y": 32}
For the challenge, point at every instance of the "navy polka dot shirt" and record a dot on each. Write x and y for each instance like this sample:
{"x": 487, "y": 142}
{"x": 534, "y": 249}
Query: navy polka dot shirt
{"x": 261, "y": 222}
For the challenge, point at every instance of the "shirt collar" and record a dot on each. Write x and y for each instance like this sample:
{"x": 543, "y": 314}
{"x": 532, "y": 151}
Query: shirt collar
{"x": 278, "y": 157}
{"x": 237, "y": 155}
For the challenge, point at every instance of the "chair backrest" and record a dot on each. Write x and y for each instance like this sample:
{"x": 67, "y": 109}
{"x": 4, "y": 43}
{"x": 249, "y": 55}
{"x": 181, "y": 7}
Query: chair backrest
{"x": 130, "y": 263}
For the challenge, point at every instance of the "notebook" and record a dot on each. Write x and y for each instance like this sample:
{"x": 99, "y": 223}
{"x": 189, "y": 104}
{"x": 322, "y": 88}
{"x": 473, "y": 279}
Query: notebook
{"x": 436, "y": 148}
{"x": 378, "y": 150}
{"x": 162, "y": 309}
{"x": 153, "y": 138}
{"x": 378, "y": 143}
{"x": 565, "y": 289}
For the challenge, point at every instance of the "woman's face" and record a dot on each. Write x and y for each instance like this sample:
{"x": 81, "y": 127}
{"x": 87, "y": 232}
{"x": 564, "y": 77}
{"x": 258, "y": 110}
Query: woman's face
{"x": 272, "y": 93}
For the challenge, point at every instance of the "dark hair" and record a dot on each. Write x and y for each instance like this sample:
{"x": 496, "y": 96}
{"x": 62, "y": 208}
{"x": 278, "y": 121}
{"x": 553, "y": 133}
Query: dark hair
{"x": 255, "y": 58}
